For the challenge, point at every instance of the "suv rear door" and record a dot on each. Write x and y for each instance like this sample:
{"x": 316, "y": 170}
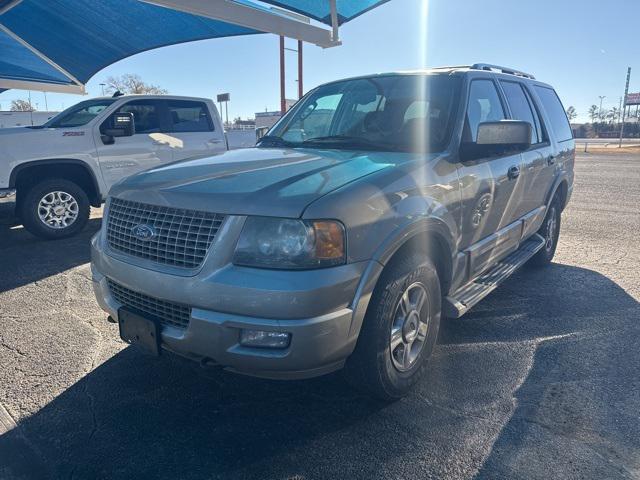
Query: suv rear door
{"x": 562, "y": 149}
{"x": 491, "y": 188}
{"x": 190, "y": 122}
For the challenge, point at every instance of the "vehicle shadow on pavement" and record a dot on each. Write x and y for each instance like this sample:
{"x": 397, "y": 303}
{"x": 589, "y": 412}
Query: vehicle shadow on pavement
{"x": 528, "y": 385}
{"x": 576, "y": 407}
{"x": 30, "y": 259}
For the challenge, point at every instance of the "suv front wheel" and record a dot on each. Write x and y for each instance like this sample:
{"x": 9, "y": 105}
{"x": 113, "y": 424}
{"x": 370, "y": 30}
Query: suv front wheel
{"x": 54, "y": 208}
{"x": 399, "y": 330}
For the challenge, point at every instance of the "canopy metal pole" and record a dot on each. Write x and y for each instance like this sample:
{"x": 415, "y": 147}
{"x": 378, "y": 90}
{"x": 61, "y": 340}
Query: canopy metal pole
{"x": 300, "y": 89}
{"x": 283, "y": 102}
{"x": 334, "y": 22}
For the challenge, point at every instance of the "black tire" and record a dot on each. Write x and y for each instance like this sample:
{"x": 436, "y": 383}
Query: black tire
{"x": 550, "y": 231}
{"x": 371, "y": 367}
{"x": 29, "y": 208}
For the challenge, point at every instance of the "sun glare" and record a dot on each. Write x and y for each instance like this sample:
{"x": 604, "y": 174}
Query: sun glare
{"x": 420, "y": 135}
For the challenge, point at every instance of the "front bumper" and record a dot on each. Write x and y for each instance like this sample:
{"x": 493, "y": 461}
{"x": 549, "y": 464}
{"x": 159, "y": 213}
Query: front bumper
{"x": 315, "y": 307}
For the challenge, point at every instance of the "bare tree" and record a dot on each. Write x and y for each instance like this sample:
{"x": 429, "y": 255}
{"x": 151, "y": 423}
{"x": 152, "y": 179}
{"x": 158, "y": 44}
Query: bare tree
{"x": 613, "y": 114}
{"x": 22, "y": 106}
{"x": 130, "y": 83}
{"x": 571, "y": 113}
{"x": 593, "y": 113}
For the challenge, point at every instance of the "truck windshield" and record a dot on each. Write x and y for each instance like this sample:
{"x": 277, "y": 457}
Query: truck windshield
{"x": 79, "y": 114}
{"x": 385, "y": 113}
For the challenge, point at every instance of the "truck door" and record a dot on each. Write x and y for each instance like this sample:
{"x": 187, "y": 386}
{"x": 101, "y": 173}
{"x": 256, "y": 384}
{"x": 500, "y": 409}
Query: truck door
{"x": 193, "y": 129}
{"x": 491, "y": 188}
{"x": 144, "y": 150}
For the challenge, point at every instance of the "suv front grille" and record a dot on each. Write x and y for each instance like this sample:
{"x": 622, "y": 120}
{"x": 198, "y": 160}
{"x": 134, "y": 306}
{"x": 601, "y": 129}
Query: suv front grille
{"x": 168, "y": 313}
{"x": 180, "y": 237}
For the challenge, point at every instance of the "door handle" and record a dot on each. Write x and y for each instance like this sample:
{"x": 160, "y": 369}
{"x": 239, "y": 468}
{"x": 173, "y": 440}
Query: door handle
{"x": 551, "y": 159}
{"x": 513, "y": 172}
{"x": 214, "y": 140}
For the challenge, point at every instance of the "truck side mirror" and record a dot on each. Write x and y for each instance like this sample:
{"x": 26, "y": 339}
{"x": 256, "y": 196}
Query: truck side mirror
{"x": 498, "y": 138}
{"x": 122, "y": 125}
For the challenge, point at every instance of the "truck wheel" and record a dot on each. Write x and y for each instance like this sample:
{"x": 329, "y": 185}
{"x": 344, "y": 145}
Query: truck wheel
{"x": 399, "y": 330}
{"x": 54, "y": 208}
{"x": 550, "y": 231}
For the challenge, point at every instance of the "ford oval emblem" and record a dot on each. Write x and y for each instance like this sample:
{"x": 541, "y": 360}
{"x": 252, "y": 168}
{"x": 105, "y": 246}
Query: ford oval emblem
{"x": 143, "y": 232}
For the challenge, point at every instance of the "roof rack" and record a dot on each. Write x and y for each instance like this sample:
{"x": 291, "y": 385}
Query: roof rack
{"x": 509, "y": 71}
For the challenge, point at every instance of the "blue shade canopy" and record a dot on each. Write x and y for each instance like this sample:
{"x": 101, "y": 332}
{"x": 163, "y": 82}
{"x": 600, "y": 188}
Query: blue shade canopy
{"x": 84, "y": 36}
{"x": 58, "y": 43}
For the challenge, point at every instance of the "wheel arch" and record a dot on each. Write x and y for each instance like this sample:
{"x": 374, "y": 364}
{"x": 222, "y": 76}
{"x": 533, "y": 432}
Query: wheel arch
{"x": 431, "y": 236}
{"x": 561, "y": 188}
{"x": 27, "y": 173}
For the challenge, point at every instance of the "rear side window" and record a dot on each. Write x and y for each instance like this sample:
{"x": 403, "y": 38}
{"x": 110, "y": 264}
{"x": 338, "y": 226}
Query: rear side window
{"x": 145, "y": 115}
{"x": 520, "y": 107}
{"x": 187, "y": 116}
{"x": 484, "y": 106}
{"x": 555, "y": 112}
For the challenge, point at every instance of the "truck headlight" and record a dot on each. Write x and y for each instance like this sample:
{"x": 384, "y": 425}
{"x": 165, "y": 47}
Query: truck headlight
{"x": 284, "y": 243}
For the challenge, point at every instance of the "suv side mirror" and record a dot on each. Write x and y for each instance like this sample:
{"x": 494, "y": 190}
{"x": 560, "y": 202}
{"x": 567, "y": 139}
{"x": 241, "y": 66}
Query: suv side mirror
{"x": 498, "y": 138}
{"x": 122, "y": 125}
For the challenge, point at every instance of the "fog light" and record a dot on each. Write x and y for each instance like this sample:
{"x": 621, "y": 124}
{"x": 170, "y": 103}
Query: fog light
{"x": 264, "y": 339}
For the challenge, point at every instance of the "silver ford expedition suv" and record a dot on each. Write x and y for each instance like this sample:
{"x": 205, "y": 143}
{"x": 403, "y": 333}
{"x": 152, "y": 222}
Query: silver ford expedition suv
{"x": 372, "y": 209}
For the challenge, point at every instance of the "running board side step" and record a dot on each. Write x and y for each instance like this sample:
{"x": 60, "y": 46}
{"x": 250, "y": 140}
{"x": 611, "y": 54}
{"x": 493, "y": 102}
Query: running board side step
{"x": 467, "y": 296}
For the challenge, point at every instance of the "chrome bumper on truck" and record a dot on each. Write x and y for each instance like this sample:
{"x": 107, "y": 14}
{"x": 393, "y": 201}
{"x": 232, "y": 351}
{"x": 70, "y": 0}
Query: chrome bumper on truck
{"x": 215, "y": 314}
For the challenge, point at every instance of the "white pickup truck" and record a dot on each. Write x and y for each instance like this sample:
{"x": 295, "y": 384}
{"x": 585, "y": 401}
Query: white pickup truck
{"x": 54, "y": 172}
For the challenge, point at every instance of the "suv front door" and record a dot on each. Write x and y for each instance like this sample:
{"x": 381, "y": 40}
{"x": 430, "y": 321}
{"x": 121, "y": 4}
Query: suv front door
{"x": 491, "y": 188}
{"x": 146, "y": 149}
{"x": 538, "y": 160}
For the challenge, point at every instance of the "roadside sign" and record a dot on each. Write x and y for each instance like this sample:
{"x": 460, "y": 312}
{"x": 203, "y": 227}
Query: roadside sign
{"x": 223, "y": 97}
{"x": 633, "y": 99}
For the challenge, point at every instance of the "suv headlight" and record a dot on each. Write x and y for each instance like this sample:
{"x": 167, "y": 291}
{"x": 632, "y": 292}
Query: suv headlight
{"x": 284, "y": 243}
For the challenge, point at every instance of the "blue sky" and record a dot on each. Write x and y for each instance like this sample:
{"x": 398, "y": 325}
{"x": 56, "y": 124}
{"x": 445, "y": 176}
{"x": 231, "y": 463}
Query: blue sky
{"x": 580, "y": 47}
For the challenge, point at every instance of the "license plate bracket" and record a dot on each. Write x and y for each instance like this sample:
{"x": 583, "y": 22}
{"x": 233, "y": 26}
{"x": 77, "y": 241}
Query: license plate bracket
{"x": 139, "y": 330}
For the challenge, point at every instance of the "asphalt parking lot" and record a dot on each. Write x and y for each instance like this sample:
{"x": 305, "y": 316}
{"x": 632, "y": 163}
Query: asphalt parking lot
{"x": 541, "y": 380}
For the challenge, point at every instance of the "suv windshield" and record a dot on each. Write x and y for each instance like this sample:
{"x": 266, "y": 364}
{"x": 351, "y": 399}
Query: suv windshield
{"x": 386, "y": 113}
{"x": 79, "y": 114}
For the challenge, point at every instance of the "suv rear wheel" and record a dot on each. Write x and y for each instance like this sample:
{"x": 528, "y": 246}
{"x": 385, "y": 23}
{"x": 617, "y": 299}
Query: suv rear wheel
{"x": 550, "y": 231}
{"x": 399, "y": 330}
{"x": 54, "y": 208}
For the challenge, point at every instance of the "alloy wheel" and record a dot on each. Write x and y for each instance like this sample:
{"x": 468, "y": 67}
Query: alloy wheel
{"x": 409, "y": 328}
{"x": 58, "y": 210}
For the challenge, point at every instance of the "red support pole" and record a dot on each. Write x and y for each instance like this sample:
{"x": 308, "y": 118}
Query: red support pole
{"x": 300, "y": 89}
{"x": 283, "y": 102}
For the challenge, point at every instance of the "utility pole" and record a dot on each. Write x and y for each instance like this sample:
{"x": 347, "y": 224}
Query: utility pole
{"x": 626, "y": 92}
{"x": 46, "y": 105}
{"x": 102, "y": 85}
{"x": 602, "y": 97}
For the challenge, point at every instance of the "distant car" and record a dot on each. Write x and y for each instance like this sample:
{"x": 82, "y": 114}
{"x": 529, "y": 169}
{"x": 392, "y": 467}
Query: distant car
{"x": 57, "y": 170}
{"x": 372, "y": 208}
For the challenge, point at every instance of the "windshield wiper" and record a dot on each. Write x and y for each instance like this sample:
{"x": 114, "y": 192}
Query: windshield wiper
{"x": 273, "y": 141}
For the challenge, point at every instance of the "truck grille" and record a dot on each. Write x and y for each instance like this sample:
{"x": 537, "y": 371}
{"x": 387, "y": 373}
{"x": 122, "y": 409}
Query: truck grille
{"x": 168, "y": 313}
{"x": 180, "y": 238}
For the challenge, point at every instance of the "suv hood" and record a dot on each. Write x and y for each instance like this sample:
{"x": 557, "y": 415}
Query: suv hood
{"x": 254, "y": 181}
